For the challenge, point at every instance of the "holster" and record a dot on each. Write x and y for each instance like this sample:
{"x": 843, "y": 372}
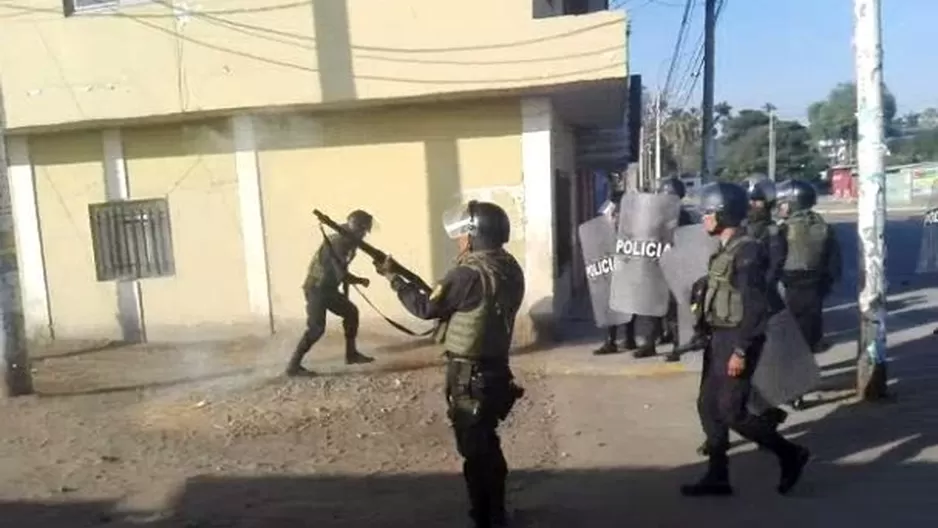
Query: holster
{"x": 476, "y": 392}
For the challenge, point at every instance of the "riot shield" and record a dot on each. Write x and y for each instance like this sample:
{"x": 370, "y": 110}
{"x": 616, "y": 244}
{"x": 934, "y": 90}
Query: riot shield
{"x": 684, "y": 263}
{"x": 646, "y": 225}
{"x": 597, "y": 243}
{"x": 928, "y": 249}
{"x": 786, "y": 369}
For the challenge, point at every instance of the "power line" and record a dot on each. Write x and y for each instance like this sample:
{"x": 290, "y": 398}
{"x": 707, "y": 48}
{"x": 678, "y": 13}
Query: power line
{"x": 203, "y": 15}
{"x": 695, "y": 76}
{"x": 681, "y": 33}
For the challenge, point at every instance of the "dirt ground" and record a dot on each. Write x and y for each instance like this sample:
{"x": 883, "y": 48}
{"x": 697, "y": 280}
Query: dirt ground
{"x": 125, "y": 431}
{"x": 212, "y": 436}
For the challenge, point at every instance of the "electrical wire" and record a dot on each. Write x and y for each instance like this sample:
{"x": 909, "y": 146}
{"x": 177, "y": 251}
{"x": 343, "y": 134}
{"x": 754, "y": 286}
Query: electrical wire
{"x": 681, "y": 33}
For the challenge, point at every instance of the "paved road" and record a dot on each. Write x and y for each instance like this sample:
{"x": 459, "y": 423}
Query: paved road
{"x": 630, "y": 440}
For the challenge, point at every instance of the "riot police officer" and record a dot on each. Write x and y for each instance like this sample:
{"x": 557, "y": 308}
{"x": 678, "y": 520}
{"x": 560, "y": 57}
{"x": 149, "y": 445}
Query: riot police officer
{"x": 735, "y": 314}
{"x": 675, "y": 187}
{"x": 328, "y": 270}
{"x": 616, "y": 185}
{"x": 813, "y": 263}
{"x": 476, "y": 303}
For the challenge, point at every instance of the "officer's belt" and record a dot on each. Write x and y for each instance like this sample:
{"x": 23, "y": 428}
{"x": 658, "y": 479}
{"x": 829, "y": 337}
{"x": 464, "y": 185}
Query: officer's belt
{"x": 482, "y": 362}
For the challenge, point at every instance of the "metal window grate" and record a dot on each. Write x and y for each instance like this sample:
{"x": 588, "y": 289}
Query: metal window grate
{"x": 132, "y": 239}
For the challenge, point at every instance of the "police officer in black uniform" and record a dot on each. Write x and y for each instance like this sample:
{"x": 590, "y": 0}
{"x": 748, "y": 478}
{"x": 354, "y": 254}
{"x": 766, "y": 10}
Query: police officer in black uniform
{"x": 673, "y": 186}
{"x": 328, "y": 270}
{"x": 735, "y": 312}
{"x": 616, "y": 186}
{"x": 813, "y": 263}
{"x": 476, "y": 303}
{"x": 762, "y": 227}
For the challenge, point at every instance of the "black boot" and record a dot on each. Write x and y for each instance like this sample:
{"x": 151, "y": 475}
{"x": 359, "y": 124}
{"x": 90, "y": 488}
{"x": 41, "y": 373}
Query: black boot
{"x": 353, "y": 356}
{"x": 608, "y": 347}
{"x": 644, "y": 350}
{"x": 295, "y": 367}
{"x": 715, "y": 483}
{"x": 792, "y": 466}
{"x": 629, "y": 342}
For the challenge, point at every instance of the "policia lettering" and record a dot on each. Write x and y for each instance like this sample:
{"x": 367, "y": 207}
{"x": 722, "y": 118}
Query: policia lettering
{"x": 644, "y": 248}
{"x": 476, "y": 303}
{"x": 601, "y": 268}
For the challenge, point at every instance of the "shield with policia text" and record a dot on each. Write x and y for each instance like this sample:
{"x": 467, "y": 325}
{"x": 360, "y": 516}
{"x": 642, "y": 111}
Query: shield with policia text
{"x": 786, "y": 368}
{"x": 686, "y": 262}
{"x": 597, "y": 243}
{"x": 646, "y": 225}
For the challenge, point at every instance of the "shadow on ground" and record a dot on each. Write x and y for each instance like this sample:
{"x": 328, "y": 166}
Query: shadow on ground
{"x": 871, "y": 468}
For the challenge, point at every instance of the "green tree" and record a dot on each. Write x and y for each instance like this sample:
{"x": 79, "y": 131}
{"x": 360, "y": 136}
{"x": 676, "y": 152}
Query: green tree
{"x": 745, "y": 147}
{"x": 835, "y": 117}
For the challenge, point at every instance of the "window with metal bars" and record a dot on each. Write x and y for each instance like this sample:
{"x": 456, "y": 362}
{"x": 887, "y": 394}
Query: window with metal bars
{"x": 132, "y": 239}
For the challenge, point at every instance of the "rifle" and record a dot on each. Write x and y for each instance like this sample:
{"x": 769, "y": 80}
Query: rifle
{"x": 376, "y": 254}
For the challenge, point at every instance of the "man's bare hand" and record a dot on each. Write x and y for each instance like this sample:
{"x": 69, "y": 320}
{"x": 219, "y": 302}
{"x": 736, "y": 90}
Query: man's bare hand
{"x": 385, "y": 268}
{"x": 736, "y": 366}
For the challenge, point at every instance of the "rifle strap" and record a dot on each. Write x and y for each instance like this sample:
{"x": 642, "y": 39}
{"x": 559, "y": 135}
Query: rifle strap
{"x": 392, "y": 322}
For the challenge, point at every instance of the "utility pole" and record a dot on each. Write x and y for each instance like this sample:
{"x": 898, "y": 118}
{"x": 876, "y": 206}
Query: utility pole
{"x": 871, "y": 208}
{"x": 772, "y": 153}
{"x": 17, "y": 374}
{"x": 642, "y": 157}
{"x": 710, "y": 21}
{"x": 658, "y": 137}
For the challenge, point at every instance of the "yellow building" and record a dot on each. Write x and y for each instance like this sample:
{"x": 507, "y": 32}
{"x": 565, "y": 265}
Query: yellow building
{"x": 164, "y": 157}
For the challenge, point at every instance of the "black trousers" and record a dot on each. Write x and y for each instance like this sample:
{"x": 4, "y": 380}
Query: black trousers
{"x": 318, "y": 302}
{"x": 806, "y": 303}
{"x": 723, "y": 405}
{"x": 474, "y": 395}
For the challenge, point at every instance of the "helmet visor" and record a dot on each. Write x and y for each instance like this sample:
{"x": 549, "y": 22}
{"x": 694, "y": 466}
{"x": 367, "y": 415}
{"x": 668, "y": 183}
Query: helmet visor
{"x": 457, "y": 222}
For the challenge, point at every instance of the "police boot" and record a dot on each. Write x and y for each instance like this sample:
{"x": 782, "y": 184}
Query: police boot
{"x": 353, "y": 356}
{"x": 715, "y": 483}
{"x": 629, "y": 339}
{"x": 609, "y": 345}
{"x": 792, "y": 466}
{"x": 294, "y": 367}
{"x": 646, "y": 348}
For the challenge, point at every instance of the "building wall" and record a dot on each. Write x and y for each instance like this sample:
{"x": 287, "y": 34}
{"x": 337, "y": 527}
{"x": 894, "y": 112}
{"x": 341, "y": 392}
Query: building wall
{"x": 146, "y": 61}
{"x": 241, "y": 193}
{"x": 193, "y": 167}
{"x": 405, "y": 165}
{"x": 68, "y": 176}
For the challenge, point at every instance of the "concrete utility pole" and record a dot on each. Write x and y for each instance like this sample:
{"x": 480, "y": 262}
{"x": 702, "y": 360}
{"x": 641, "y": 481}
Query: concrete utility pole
{"x": 17, "y": 374}
{"x": 707, "y": 153}
{"x": 871, "y": 208}
{"x": 772, "y": 153}
{"x": 658, "y": 137}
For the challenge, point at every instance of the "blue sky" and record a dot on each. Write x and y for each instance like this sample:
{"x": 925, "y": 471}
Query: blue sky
{"x": 788, "y": 52}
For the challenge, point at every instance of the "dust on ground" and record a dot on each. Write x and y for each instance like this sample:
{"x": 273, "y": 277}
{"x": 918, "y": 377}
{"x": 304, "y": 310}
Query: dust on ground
{"x": 128, "y": 427}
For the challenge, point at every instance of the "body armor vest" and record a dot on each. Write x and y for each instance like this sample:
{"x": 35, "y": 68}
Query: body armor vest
{"x": 763, "y": 230}
{"x": 806, "y": 233}
{"x": 723, "y": 303}
{"x": 485, "y": 331}
{"x": 321, "y": 273}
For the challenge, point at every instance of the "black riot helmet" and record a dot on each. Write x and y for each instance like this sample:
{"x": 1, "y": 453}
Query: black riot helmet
{"x": 761, "y": 189}
{"x": 672, "y": 185}
{"x": 486, "y": 224}
{"x": 728, "y": 201}
{"x": 360, "y": 222}
{"x": 799, "y": 195}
